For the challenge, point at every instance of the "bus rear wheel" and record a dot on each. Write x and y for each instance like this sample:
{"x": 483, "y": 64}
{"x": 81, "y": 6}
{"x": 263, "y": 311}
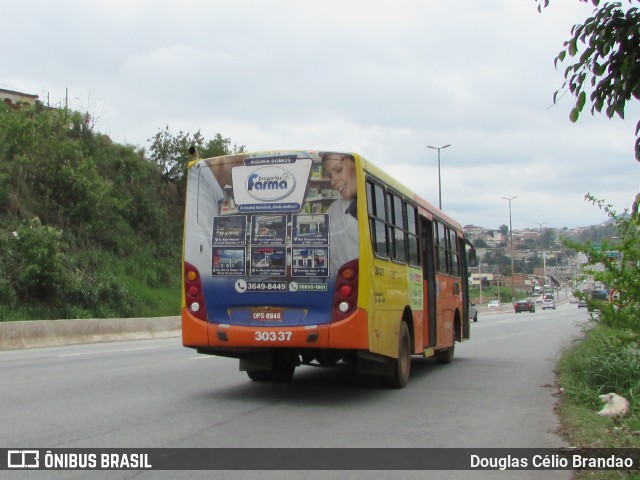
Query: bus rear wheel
{"x": 402, "y": 364}
{"x": 446, "y": 356}
{"x": 282, "y": 369}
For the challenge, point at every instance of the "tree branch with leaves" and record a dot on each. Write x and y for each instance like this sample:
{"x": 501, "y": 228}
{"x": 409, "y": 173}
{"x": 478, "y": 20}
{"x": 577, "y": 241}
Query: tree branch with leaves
{"x": 606, "y": 54}
{"x": 171, "y": 152}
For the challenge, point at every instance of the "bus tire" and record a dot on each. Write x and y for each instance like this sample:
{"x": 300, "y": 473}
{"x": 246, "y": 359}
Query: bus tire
{"x": 282, "y": 369}
{"x": 445, "y": 356}
{"x": 258, "y": 375}
{"x": 402, "y": 364}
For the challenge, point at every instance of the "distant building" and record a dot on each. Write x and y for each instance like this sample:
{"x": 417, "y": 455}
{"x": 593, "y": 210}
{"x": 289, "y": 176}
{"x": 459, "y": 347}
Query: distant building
{"x": 16, "y": 99}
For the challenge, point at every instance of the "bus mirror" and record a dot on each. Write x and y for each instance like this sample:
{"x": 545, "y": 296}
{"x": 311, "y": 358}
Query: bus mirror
{"x": 471, "y": 253}
{"x": 472, "y": 257}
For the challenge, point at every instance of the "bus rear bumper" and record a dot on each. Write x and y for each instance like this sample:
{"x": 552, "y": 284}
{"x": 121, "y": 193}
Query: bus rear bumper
{"x": 351, "y": 333}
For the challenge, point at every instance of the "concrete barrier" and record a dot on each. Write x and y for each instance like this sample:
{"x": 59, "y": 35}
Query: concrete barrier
{"x": 51, "y": 333}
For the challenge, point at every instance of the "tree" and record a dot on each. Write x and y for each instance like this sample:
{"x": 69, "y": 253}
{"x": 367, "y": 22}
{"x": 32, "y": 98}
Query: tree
{"x": 220, "y": 146}
{"x": 480, "y": 243}
{"x": 547, "y": 238}
{"x": 496, "y": 258}
{"x": 620, "y": 273}
{"x": 608, "y": 65}
{"x": 171, "y": 152}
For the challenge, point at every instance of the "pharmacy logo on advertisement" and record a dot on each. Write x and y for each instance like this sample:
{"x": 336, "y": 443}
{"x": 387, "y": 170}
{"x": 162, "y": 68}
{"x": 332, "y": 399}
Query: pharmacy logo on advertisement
{"x": 270, "y": 183}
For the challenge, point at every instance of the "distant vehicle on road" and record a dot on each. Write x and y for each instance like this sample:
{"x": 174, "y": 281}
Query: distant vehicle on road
{"x": 525, "y": 305}
{"x": 602, "y": 295}
{"x": 598, "y": 296}
{"x": 548, "y": 303}
{"x": 494, "y": 304}
{"x": 582, "y": 303}
{"x": 473, "y": 312}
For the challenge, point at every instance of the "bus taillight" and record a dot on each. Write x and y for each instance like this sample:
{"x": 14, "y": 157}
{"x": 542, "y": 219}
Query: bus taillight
{"x": 346, "y": 294}
{"x": 193, "y": 292}
{"x": 345, "y": 290}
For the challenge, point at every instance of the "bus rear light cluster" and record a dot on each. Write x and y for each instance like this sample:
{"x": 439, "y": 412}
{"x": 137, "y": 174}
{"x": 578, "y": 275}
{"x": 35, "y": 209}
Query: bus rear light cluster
{"x": 346, "y": 294}
{"x": 193, "y": 291}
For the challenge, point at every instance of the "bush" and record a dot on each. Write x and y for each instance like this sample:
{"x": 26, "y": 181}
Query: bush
{"x": 8, "y": 295}
{"x": 605, "y": 361}
{"x": 38, "y": 261}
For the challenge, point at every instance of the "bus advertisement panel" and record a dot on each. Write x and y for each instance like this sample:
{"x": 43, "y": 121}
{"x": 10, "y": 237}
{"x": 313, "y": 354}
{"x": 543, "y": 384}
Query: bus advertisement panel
{"x": 259, "y": 233}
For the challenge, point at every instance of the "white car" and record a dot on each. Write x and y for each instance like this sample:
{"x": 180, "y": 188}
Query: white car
{"x": 548, "y": 303}
{"x": 494, "y": 304}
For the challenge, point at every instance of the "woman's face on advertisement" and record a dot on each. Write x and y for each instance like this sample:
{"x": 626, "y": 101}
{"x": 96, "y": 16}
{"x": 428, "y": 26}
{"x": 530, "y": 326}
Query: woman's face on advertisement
{"x": 342, "y": 171}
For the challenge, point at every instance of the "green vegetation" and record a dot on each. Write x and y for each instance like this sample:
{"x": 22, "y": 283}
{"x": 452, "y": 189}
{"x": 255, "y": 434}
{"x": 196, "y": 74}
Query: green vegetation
{"x": 88, "y": 227}
{"x": 607, "y": 359}
{"x": 604, "y": 64}
{"x": 606, "y": 61}
{"x": 490, "y": 293}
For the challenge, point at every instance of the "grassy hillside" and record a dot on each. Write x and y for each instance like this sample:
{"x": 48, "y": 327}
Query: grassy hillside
{"x": 88, "y": 227}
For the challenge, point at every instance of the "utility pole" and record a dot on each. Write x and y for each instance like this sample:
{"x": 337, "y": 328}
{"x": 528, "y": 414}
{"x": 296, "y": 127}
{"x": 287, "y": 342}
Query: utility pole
{"x": 511, "y": 246}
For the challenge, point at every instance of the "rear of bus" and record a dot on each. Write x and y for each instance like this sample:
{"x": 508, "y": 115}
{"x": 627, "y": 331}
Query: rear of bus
{"x": 271, "y": 261}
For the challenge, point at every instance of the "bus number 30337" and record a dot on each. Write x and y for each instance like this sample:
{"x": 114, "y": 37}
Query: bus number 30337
{"x": 273, "y": 336}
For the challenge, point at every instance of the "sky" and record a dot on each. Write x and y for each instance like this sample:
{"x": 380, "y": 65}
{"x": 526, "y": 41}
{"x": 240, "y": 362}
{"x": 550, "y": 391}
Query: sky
{"x": 385, "y": 79}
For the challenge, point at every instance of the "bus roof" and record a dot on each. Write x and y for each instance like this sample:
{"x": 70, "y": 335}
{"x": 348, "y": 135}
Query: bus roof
{"x": 425, "y": 208}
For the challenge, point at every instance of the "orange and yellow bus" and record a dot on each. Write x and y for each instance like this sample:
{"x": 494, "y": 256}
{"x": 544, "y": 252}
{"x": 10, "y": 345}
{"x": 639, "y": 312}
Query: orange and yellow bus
{"x": 318, "y": 258}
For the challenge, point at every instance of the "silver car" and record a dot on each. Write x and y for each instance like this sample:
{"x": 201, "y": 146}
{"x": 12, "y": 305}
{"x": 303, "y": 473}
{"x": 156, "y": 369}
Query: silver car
{"x": 548, "y": 303}
{"x": 473, "y": 312}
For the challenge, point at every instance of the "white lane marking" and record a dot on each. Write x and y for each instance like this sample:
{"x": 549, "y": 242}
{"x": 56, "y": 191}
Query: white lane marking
{"x": 107, "y": 351}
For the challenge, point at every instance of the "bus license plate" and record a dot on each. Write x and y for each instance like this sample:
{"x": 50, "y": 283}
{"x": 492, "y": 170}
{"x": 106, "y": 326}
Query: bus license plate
{"x": 271, "y": 315}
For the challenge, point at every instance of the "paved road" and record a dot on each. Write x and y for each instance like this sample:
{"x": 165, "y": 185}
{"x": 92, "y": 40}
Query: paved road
{"x": 498, "y": 393}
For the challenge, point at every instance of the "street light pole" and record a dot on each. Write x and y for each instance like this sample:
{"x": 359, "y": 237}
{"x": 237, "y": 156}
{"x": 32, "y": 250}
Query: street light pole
{"x": 511, "y": 245}
{"x": 439, "y": 181}
{"x": 480, "y": 278}
{"x": 543, "y": 263}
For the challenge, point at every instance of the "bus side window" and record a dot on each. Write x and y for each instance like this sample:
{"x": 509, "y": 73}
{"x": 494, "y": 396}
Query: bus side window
{"x": 412, "y": 235}
{"x": 377, "y": 219}
{"x": 455, "y": 264}
{"x": 441, "y": 245}
{"x": 397, "y": 227}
